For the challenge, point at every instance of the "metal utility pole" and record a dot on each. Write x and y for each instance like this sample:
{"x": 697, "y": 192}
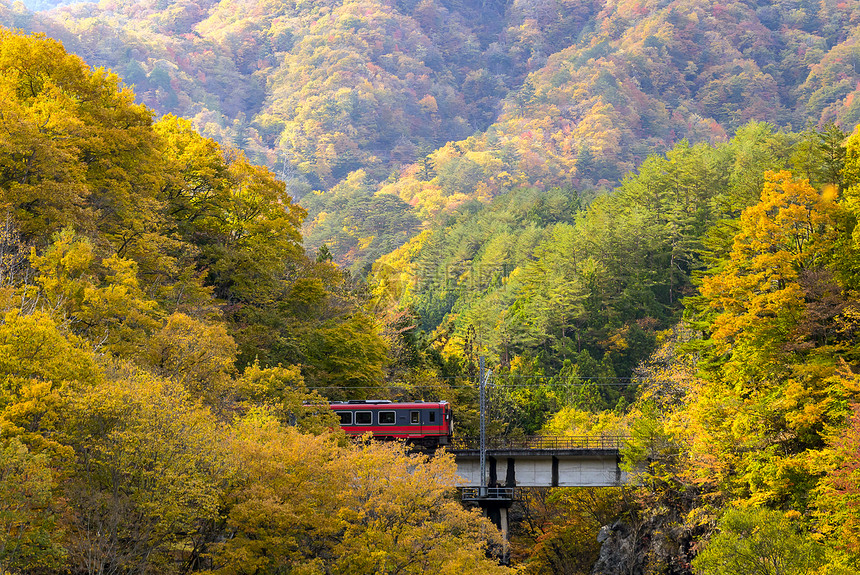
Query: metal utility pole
{"x": 483, "y": 446}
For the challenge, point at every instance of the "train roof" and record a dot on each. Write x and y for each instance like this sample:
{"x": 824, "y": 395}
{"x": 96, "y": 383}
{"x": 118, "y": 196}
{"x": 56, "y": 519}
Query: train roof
{"x": 386, "y": 404}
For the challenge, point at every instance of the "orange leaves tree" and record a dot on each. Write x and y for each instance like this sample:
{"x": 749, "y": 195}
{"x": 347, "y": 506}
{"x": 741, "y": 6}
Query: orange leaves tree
{"x": 786, "y": 234}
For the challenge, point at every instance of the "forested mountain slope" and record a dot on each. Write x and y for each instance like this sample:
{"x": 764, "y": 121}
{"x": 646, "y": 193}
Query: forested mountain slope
{"x": 543, "y": 93}
{"x": 550, "y": 285}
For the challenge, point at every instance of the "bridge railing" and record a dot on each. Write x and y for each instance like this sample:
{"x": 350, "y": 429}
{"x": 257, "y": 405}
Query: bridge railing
{"x": 541, "y": 442}
{"x": 489, "y": 493}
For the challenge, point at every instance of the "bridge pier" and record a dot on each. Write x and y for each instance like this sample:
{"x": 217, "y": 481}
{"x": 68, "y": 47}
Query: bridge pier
{"x": 497, "y": 512}
{"x": 494, "y": 503}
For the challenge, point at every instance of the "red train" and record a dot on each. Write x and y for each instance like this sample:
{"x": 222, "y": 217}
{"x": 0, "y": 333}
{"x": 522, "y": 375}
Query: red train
{"x": 429, "y": 423}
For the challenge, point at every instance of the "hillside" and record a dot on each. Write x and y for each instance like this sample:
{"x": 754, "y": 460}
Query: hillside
{"x": 528, "y": 93}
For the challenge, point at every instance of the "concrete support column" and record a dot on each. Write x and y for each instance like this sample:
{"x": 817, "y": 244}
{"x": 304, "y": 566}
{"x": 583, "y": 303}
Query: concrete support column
{"x": 497, "y": 512}
{"x": 503, "y": 522}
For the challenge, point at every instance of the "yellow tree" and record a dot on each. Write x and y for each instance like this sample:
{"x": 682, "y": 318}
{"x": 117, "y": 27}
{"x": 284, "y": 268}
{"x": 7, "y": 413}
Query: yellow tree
{"x": 74, "y": 148}
{"x": 310, "y": 506}
{"x": 42, "y": 180}
{"x": 283, "y": 389}
{"x": 194, "y": 353}
{"x": 39, "y": 366}
{"x": 399, "y": 515}
{"x": 149, "y": 474}
{"x": 101, "y": 300}
{"x": 788, "y": 232}
{"x": 282, "y": 514}
{"x": 771, "y": 385}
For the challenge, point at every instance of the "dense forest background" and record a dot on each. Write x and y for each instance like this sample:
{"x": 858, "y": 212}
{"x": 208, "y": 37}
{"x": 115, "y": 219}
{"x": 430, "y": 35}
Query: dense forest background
{"x": 401, "y": 110}
{"x": 642, "y": 214}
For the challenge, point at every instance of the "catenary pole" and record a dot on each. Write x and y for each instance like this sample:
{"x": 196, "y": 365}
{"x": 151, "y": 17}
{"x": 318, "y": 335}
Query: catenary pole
{"x": 483, "y": 446}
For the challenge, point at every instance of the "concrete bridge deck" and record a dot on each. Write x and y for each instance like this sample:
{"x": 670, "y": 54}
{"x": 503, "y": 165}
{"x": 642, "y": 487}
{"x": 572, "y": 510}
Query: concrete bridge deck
{"x": 541, "y": 462}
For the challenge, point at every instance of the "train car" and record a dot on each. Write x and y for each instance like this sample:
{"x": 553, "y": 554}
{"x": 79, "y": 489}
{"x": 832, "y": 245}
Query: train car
{"x": 429, "y": 423}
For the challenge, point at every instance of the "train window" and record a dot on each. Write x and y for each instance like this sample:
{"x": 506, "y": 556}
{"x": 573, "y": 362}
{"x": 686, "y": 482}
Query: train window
{"x": 414, "y": 417}
{"x": 432, "y": 417}
{"x": 363, "y": 418}
{"x": 345, "y": 417}
{"x": 387, "y": 418}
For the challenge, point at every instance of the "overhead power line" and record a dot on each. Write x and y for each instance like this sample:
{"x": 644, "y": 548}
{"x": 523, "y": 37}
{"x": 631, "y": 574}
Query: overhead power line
{"x": 474, "y": 386}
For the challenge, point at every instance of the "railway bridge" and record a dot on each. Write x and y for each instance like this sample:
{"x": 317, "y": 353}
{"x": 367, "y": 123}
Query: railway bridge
{"x": 539, "y": 461}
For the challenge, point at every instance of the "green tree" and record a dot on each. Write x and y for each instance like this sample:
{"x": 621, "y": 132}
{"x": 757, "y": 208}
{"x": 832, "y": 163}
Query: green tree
{"x": 821, "y": 156}
{"x": 759, "y": 541}
{"x": 30, "y": 539}
{"x": 349, "y": 353}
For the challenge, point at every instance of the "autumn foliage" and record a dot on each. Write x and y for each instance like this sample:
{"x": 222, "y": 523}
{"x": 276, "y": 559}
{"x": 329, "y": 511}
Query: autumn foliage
{"x": 172, "y": 321}
{"x": 161, "y": 330}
